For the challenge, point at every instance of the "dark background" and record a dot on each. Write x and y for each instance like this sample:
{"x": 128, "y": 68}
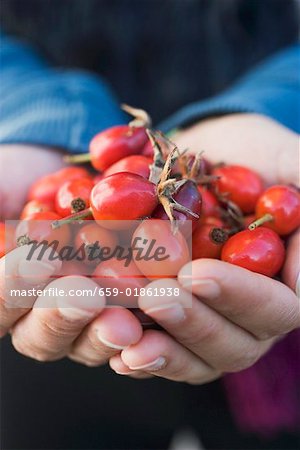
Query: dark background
{"x": 159, "y": 55}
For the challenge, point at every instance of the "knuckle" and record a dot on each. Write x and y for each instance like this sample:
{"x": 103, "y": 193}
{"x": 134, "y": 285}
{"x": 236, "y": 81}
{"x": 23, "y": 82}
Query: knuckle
{"x": 243, "y": 360}
{"x": 177, "y": 373}
{"x": 292, "y": 318}
{"x": 288, "y": 320}
{"x": 204, "y": 378}
{"x": 30, "y": 351}
{"x": 209, "y": 331}
{"x": 56, "y": 325}
{"x": 54, "y": 329}
{"x": 265, "y": 335}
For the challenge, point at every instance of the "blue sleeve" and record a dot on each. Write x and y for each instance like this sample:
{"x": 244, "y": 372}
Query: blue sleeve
{"x": 271, "y": 89}
{"x": 42, "y": 105}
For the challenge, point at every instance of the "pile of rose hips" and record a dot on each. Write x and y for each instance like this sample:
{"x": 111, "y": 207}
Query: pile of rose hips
{"x": 138, "y": 174}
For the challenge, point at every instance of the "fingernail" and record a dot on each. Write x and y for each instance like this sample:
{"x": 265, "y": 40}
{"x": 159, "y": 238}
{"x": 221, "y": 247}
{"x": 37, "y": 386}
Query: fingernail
{"x": 125, "y": 373}
{"x": 34, "y": 271}
{"x": 108, "y": 343}
{"x": 157, "y": 364}
{"x": 208, "y": 289}
{"x": 169, "y": 313}
{"x": 298, "y": 286}
{"x": 72, "y": 313}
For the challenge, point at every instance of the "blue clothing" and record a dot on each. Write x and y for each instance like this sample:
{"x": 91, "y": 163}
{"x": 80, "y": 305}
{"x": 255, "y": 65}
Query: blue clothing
{"x": 66, "y": 108}
{"x": 271, "y": 89}
{"x": 43, "y": 105}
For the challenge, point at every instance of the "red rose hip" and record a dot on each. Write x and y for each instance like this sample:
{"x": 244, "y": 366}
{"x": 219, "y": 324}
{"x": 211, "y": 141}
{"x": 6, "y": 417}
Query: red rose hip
{"x": 45, "y": 189}
{"x": 260, "y": 250}
{"x": 240, "y": 185}
{"x": 279, "y": 209}
{"x": 207, "y": 241}
{"x": 123, "y": 196}
{"x": 138, "y": 164}
{"x": 73, "y": 196}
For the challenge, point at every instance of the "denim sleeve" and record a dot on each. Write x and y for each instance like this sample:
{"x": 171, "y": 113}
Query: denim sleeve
{"x": 47, "y": 106}
{"x": 271, "y": 89}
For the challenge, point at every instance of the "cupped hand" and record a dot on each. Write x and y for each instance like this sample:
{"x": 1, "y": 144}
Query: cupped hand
{"x": 47, "y": 327}
{"x": 234, "y": 315}
{"x": 86, "y": 335}
{"x": 20, "y": 166}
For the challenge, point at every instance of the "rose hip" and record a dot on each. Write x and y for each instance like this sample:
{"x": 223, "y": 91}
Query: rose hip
{"x": 45, "y": 189}
{"x": 117, "y": 200}
{"x": 7, "y": 238}
{"x": 73, "y": 196}
{"x": 169, "y": 251}
{"x": 148, "y": 150}
{"x": 35, "y": 206}
{"x": 74, "y": 267}
{"x": 207, "y": 241}
{"x": 211, "y": 220}
{"x": 38, "y": 228}
{"x": 189, "y": 197}
{"x": 111, "y": 145}
{"x": 91, "y": 234}
{"x": 127, "y": 279}
{"x": 260, "y": 250}
{"x": 138, "y": 164}
{"x": 240, "y": 185}
{"x": 123, "y": 196}
{"x": 210, "y": 204}
{"x": 278, "y": 208}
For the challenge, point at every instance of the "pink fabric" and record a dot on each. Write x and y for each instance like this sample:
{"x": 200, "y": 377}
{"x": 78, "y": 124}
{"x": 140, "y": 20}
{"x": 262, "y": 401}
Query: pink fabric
{"x": 265, "y": 399}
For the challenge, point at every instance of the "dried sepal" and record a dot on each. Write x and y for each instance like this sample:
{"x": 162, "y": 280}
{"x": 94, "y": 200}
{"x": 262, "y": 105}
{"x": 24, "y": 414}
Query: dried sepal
{"x": 230, "y": 212}
{"x": 23, "y": 240}
{"x": 157, "y": 166}
{"x": 141, "y": 117}
{"x": 167, "y": 188}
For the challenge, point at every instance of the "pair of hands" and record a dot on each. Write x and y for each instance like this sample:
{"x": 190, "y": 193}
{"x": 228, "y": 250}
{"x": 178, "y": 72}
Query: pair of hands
{"x": 236, "y": 315}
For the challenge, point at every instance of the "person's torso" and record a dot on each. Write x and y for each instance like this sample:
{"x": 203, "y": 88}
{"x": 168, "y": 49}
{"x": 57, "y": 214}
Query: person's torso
{"x": 157, "y": 54}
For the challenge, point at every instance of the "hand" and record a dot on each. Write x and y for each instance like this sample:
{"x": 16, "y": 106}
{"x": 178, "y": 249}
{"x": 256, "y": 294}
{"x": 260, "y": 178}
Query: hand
{"x": 50, "y": 333}
{"x": 236, "y": 315}
{"x": 48, "y": 328}
{"x": 251, "y": 140}
{"x": 20, "y": 166}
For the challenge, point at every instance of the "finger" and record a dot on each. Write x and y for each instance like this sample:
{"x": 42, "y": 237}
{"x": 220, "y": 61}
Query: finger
{"x": 159, "y": 354}
{"x": 219, "y": 342}
{"x": 47, "y": 332}
{"x": 291, "y": 269}
{"x": 118, "y": 366}
{"x": 17, "y": 295}
{"x": 261, "y": 305}
{"x": 108, "y": 334}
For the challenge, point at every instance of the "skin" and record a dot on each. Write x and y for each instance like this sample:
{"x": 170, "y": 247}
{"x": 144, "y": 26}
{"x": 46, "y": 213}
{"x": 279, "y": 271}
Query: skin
{"x": 26, "y": 164}
{"x": 236, "y": 315}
